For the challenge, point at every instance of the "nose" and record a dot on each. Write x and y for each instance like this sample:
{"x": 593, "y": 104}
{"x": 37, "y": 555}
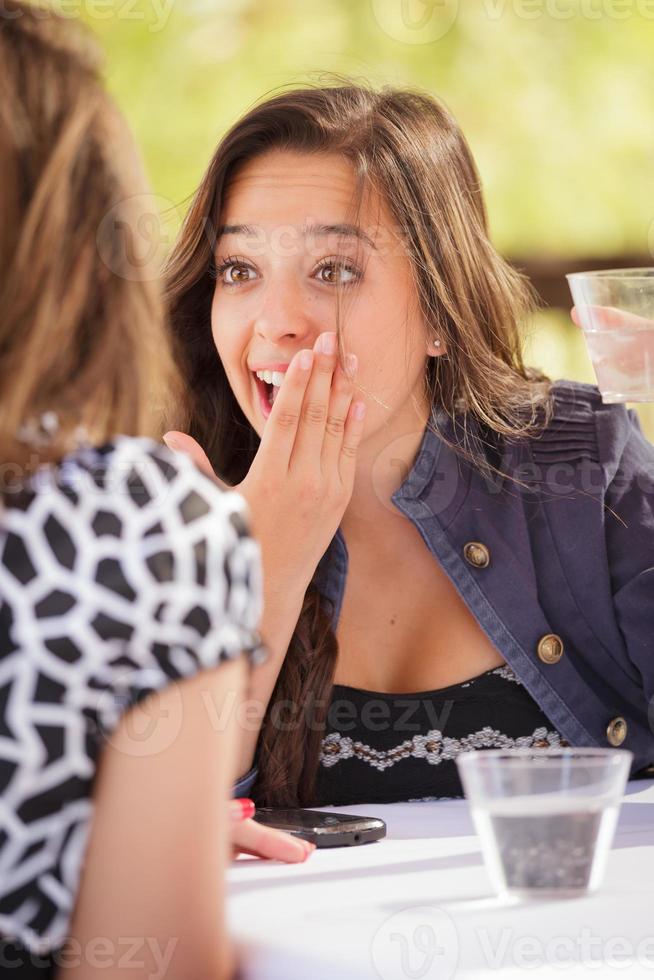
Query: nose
{"x": 284, "y": 314}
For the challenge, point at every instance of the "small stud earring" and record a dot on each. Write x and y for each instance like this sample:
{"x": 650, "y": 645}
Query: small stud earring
{"x": 39, "y": 432}
{"x": 436, "y": 343}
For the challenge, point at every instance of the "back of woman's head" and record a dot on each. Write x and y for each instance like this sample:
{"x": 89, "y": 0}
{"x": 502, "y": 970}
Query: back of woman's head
{"x": 81, "y": 330}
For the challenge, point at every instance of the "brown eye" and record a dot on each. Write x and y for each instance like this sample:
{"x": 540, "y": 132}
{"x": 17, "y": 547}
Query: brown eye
{"x": 334, "y": 269}
{"x": 238, "y": 273}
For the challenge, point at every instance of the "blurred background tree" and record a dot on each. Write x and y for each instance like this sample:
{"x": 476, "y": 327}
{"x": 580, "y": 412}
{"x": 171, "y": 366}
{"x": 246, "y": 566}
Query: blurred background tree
{"x": 556, "y": 98}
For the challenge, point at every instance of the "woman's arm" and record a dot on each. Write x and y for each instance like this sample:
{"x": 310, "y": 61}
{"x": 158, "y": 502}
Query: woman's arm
{"x": 283, "y": 596}
{"x": 297, "y": 489}
{"x": 152, "y": 891}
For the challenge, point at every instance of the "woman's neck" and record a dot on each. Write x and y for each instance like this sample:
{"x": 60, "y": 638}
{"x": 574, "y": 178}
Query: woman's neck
{"x": 384, "y": 461}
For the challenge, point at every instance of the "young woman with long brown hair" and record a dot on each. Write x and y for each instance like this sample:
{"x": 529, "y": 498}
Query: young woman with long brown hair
{"x": 123, "y": 570}
{"x": 471, "y": 564}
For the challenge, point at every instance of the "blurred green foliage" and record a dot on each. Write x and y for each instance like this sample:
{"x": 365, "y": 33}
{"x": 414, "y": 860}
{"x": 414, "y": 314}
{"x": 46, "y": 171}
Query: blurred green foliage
{"x": 556, "y": 98}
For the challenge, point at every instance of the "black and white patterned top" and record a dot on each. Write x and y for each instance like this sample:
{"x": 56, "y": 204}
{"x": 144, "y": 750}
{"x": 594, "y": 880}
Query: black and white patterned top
{"x": 385, "y": 748}
{"x": 122, "y": 569}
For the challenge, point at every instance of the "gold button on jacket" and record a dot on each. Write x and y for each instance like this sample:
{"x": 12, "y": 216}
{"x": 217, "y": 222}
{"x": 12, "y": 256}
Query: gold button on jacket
{"x": 477, "y": 554}
{"x": 616, "y": 731}
{"x": 550, "y": 648}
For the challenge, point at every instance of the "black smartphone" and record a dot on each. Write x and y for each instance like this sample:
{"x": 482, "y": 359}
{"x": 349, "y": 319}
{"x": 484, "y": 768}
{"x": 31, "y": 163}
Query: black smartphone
{"x": 322, "y": 828}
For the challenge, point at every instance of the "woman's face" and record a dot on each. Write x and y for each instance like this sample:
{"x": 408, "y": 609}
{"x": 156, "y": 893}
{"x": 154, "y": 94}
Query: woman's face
{"x": 276, "y": 284}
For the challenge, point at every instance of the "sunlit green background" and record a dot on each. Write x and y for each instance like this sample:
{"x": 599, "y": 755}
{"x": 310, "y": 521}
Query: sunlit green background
{"x": 556, "y": 98}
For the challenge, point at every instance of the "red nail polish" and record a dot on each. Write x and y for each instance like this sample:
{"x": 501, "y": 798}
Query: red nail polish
{"x": 248, "y": 808}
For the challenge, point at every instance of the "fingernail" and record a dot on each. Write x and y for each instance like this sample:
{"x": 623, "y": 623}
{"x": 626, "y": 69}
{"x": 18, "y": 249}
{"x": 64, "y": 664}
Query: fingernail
{"x": 306, "y": 359}
{"x": 247, "y": 808}
{"x": 296, "y": 851}
{"x": 351, "y": 363}
{"x": 327, "y": 343}
{"x": 171, "y": 442}
{"x": 359, "y": 410}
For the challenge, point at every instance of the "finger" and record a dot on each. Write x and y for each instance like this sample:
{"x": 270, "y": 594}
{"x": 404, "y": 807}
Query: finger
{"x": 592, "y": 317}
{"x": 339, "y": 406}
{"x": 280, "y": 431}
{"x": 351, "y": 439}
{"x": 268, "y": 842}
{"x": 311, "y": 431}
{"x": 180, "y": 442}
{"x": 241, "y": 809}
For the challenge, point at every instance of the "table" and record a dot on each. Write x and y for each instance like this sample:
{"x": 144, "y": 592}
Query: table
{"x": 419, "y": 905}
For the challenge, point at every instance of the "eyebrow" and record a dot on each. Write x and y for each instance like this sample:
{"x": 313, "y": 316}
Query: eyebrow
{"x": 347, "y": 231}
{"x": 344, "y": 230}
{"x": 224, "y": 230}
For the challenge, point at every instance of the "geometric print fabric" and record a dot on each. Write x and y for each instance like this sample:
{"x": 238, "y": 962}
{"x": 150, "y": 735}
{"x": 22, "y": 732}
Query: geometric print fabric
{"x": 122, "y": 569}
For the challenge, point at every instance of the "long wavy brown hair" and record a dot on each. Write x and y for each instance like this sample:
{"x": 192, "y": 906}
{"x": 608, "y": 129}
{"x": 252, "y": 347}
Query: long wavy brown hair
{"x": 407, "y": 146}
{"x": 82, "y": 326}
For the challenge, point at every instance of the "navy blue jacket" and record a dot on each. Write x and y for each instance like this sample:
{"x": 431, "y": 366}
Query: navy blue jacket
{"x": 557, "y": 568}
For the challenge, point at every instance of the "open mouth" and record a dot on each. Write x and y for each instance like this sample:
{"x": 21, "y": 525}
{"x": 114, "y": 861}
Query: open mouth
{"x": 267, "y": 394}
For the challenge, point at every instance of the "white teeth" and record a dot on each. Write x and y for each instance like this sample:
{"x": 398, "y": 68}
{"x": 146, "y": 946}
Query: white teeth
{"x": 271, "y": 377}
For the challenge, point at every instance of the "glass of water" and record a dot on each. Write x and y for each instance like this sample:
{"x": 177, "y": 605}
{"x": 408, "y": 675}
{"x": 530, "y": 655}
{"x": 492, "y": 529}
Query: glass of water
{"x": 545, "y": 817}
{"x": 615, "y": 310}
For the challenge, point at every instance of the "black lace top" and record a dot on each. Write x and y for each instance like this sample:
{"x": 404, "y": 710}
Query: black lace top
{"x": 384, "y": 748}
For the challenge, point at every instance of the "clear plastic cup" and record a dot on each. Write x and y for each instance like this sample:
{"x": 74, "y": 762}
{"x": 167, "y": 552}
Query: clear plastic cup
{"x": 545, "y": 817}
{"x": 615, "y": 310}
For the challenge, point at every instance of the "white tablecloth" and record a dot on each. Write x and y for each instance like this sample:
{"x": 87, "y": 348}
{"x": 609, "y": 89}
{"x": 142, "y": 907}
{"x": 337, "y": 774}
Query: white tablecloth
{"x": 419, "y": 904}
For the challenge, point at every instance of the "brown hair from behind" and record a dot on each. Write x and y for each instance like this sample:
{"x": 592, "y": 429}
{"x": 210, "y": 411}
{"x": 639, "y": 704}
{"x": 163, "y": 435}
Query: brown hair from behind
{"x": 407, "y": 146}
{"x": 82, "y": 332}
